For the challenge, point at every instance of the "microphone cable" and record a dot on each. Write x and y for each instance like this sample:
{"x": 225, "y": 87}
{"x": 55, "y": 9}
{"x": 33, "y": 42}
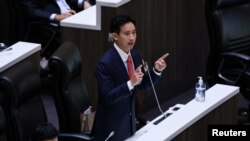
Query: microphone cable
{"x": 145, "y": 65}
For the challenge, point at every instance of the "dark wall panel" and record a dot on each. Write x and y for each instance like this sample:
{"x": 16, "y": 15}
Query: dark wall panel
{"x": 4, "y": 22}
{"x": 12, "y": 23}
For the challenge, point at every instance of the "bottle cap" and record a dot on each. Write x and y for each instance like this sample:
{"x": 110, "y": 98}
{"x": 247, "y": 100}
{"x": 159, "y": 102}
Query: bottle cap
{"x": 200, "y": 80}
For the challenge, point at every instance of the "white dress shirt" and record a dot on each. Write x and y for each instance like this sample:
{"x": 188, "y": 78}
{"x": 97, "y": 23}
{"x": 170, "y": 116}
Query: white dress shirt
{"x": 64, "y": 7}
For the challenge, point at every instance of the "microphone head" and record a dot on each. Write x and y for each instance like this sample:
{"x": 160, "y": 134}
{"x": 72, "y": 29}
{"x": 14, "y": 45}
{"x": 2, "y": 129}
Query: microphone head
{"x": 145, "y": 65}
{"x": 112, "y": 133}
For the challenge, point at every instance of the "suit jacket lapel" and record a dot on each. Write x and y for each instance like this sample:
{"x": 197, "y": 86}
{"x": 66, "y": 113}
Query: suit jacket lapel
{"x": 118, "y": 63}
{"x": 136, "y": 59}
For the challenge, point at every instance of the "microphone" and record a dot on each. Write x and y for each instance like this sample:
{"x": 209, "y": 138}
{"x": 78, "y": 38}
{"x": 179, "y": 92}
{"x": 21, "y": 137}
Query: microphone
{"x": 2, "y": 46}
{"x": 145, "y": 66}
{"x": 110, "y": 135}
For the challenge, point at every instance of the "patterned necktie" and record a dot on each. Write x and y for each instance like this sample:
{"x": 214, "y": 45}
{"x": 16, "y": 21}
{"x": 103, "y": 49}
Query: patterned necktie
{"x": 130, "y": 66}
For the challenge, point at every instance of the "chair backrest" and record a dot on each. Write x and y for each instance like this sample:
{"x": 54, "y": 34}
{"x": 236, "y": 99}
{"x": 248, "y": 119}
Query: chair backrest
{"x": 20, "y": 89}
{"x": 229, "y": 31}
{"x": 71, "y": 96}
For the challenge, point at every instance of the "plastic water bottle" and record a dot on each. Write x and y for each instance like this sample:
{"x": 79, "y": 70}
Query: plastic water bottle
{"x": 200, "y": 90}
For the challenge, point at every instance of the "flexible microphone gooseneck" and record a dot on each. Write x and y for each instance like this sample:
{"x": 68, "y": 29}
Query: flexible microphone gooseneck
{"x": 110, "y": 135}
{"x": 145, "y": 65}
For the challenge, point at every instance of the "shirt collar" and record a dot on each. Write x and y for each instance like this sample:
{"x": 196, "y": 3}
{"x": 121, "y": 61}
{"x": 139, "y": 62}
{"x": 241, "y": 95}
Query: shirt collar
{"x": 123, "y": 54}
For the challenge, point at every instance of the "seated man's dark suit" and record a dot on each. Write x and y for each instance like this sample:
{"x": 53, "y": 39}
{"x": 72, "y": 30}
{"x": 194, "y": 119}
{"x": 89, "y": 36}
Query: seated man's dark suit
{"x": 42, "y": 9}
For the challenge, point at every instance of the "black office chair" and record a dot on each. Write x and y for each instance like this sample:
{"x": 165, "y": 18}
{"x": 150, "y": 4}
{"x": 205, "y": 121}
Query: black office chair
{"x": 20, "y": 91}
{"x": 71, "y": 95}
{"x": 229, "y": 32}
{"x": 20, "y": 88}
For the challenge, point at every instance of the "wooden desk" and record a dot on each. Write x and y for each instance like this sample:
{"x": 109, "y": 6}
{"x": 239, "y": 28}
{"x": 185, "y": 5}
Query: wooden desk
{"x": 18, "y": 52}
{"x": 191, "y": 120}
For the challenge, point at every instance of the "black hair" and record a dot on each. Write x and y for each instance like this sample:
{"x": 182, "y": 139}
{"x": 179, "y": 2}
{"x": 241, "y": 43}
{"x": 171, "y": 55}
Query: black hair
{"x": 44, "y": 131}
{"x": 118, "y": 21}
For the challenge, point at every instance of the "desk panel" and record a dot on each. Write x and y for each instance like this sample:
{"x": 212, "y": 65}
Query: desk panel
{"x": 191, "y": 120}
{"x": 17, "y": 53}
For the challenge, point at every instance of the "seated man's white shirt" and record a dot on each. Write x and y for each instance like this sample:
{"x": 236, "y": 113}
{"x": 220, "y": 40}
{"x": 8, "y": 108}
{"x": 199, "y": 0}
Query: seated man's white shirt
{"x": 64, "y": 7}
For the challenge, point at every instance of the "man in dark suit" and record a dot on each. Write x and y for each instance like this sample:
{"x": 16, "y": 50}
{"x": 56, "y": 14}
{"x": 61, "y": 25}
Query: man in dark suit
{"x": 116, "y": 86}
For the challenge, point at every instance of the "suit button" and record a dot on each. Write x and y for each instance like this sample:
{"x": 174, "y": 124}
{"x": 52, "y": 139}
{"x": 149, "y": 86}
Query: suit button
{"x": 130, "y": 114}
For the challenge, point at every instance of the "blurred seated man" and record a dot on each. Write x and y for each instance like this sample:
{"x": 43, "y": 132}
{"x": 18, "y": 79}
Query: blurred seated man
{"x": 44, "y": 18}
{"x": 54, "y": 10}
